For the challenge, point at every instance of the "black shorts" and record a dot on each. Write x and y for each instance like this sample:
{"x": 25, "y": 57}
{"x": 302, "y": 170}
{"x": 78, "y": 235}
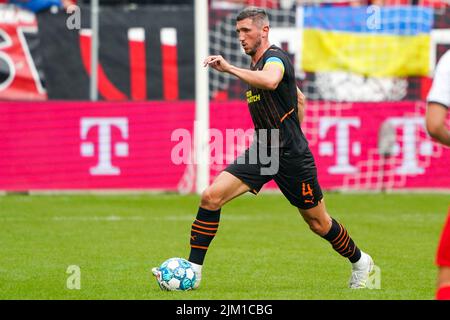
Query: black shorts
{"x": 296, "y": 177}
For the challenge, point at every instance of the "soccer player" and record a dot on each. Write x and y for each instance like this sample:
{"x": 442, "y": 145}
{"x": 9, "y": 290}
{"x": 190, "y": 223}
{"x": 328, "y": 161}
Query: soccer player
{"x": 276, "y": 107}
{"x": 437, "y": 107}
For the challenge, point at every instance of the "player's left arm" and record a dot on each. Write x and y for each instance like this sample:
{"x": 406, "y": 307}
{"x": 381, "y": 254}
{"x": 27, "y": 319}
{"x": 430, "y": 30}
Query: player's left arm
{"x": 267, "y": 79}
{"x": 301, "y": 103}
{"x": 435, "y": 123}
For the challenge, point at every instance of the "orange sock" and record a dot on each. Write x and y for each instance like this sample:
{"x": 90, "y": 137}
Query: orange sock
{"x": 203, "y": 231}
{"x": 341, "y": 242}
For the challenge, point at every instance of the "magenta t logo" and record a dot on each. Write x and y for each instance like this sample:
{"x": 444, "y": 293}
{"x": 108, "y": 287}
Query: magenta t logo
{"x": 343, "y": 147}
{"x": 412, "y": 146}
{"x": 105, "y": 148}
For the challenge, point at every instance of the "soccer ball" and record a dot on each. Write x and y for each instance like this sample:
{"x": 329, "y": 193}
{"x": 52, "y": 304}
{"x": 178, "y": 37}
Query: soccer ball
{"x": 176, "y": 275}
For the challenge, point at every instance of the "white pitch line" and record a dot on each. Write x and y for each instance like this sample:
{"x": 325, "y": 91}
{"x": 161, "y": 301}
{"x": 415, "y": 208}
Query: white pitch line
{"x": 97, "y": 218}
{"x": 115, "y": 218}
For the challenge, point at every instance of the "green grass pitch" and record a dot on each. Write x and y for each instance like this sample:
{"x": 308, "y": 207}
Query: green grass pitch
{"x": 263, "y": 249}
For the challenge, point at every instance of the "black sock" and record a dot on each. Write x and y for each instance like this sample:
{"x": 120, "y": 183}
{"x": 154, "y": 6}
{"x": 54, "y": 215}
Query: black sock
{"x": 342, "y": 243}
{"x": 203, "y": 231}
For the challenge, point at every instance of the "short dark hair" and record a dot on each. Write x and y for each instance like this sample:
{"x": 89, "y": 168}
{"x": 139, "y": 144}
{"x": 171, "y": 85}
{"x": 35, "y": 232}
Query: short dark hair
{"x": 253, "y": 13}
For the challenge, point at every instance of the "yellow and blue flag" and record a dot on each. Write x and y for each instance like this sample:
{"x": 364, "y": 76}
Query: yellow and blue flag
{"x": 372, "y": 41}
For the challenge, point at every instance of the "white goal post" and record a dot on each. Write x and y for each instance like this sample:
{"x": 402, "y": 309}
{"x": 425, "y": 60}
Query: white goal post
{"x": 201, "y": 124}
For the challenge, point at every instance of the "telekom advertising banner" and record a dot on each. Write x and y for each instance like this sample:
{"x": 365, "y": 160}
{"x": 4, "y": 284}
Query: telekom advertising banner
{"x": 81, "y": 145}
{"x": 148, "y": 146}
{"x": 345, "y": 139}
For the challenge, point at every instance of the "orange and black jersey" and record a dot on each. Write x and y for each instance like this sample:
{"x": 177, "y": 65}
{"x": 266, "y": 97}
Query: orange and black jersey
{"x": 277, "y": 109}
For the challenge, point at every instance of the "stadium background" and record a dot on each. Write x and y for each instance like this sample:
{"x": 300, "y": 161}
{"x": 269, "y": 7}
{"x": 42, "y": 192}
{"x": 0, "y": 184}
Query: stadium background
{"x": 364, "y": 121}
{"x": 146, "y": 82}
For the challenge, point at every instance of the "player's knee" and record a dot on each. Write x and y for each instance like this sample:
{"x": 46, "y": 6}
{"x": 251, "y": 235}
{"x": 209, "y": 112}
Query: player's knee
{"x": 318, "y": 220}
{"x": 444, "y": 276}
{"x": 210, "y": 200}
{"x": 316, "y": 228}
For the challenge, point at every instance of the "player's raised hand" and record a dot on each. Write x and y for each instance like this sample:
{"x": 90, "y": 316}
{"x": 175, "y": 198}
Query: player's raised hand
{"x": 218, "y": 63}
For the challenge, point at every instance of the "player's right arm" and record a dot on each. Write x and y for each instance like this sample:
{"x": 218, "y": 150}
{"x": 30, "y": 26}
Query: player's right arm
{"x": 439, "y": 102}
{"x": 435, "y": 122}
{"x": 266, "y": 79}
